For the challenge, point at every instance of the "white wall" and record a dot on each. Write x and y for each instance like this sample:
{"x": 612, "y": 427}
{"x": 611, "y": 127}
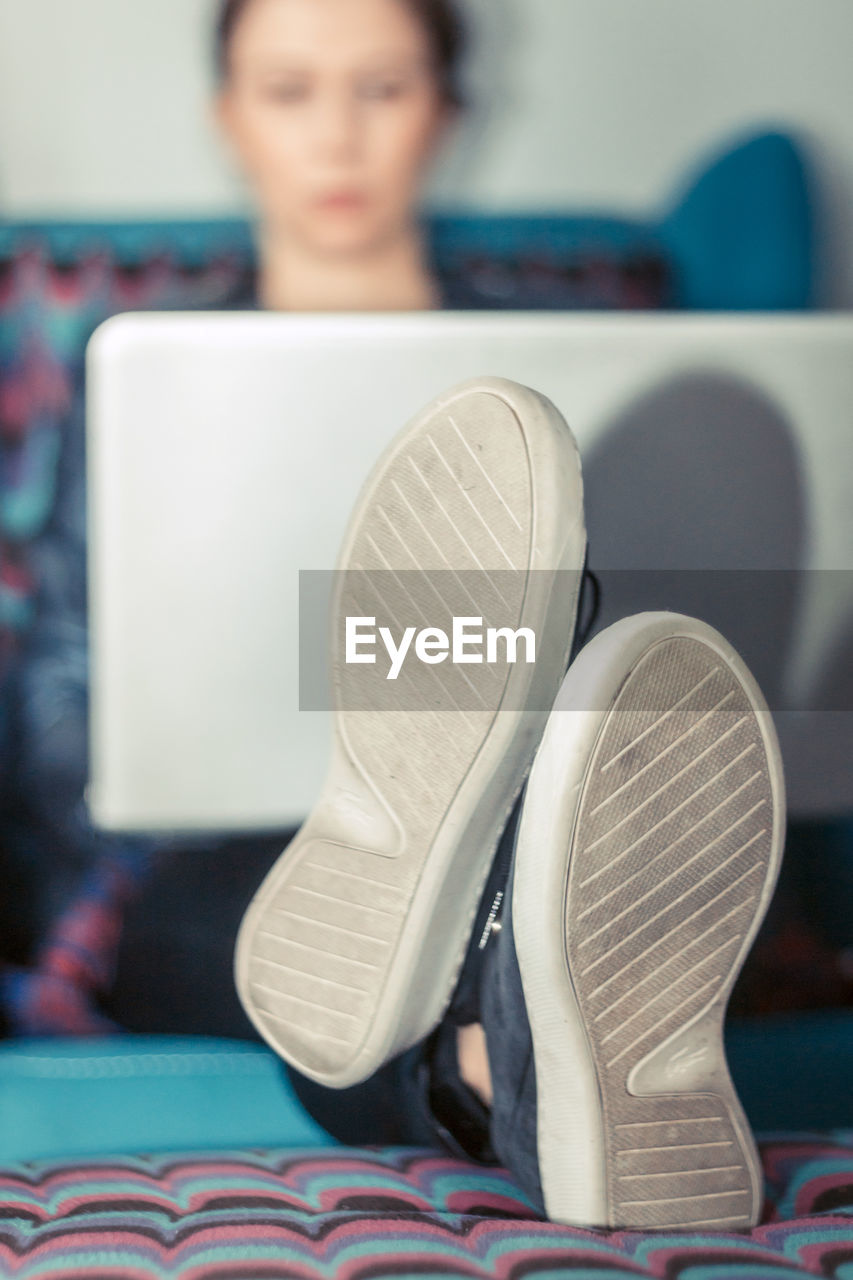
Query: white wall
{"x": 592, "y": 103}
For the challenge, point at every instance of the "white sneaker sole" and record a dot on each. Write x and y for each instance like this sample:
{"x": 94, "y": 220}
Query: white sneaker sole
{"x": 649, "y": 847}
{"x": 351, "y": 948}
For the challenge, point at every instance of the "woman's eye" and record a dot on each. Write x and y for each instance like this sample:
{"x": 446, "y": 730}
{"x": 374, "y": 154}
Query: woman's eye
{"x": 382, "y": 90}
{"x": 287, "y": 93}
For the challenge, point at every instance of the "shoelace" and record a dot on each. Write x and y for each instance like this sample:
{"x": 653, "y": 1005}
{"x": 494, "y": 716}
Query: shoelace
{"x": 589, "y": 608}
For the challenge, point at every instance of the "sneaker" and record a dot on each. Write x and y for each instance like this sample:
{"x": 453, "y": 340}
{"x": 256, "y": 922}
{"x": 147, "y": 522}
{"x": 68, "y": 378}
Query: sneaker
{"x": 648, "y": 849}
{"x": 350, "y": 950}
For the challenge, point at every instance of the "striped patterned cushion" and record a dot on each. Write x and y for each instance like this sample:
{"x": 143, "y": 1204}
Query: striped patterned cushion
{"x": 254, "y": 1215}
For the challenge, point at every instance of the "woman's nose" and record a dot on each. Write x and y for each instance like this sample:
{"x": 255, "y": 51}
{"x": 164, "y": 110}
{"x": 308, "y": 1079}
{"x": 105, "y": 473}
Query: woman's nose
{"x": 338, "y": 126}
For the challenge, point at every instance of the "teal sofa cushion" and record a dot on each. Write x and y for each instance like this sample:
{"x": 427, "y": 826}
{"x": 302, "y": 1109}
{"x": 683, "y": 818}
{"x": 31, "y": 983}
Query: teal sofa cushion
{"x": 68, "y": 1098}
{"x": 61, "y": 1099}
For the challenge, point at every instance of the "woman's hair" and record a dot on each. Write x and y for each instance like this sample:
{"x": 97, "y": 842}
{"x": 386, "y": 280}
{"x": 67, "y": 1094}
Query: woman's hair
{"x": 440, "y": 19}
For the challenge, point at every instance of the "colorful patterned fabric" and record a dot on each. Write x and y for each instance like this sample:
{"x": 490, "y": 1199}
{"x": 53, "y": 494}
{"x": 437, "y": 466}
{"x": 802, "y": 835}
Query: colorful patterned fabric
{"x": 53, "y": 294}
{"x": 358, "y": 1214}
{"x": 50, "y": 303}
{"x": 58, "y": 995}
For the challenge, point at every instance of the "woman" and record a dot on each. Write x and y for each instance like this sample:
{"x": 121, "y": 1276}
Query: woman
{"x": 335, "y": 109}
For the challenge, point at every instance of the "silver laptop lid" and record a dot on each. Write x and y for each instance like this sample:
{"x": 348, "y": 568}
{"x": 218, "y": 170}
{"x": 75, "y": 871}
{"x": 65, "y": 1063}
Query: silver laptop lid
{"x": 225, "y": 451}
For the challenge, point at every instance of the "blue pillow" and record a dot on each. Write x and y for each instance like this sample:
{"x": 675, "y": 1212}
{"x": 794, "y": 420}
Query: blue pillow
{"x": 741, "y": 238}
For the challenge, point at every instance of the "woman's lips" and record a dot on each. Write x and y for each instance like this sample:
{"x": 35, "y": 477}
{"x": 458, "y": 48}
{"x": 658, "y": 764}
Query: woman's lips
{"x": 341, "y": 202}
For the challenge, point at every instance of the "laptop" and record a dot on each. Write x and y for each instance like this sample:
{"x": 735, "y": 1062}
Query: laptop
{"x": 225, "y": 452}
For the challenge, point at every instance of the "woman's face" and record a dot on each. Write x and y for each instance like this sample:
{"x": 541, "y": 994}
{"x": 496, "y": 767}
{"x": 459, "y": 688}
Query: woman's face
{"x": 334, "y": 111}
